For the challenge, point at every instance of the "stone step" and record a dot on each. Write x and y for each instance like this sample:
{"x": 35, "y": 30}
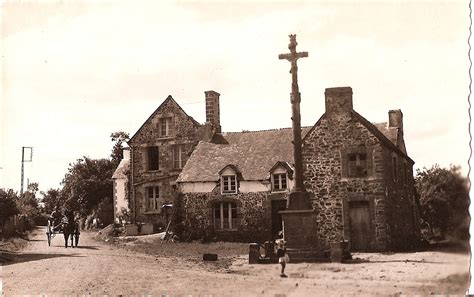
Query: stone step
{"x": 310, "y": 256}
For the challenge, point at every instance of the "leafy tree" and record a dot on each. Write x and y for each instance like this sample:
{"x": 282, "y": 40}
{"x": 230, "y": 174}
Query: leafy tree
{"x": 52, "y": 198}
{"x": 444, "y": 201}
{"x": 117, "y": 153}
{"x": 87, "y": 183}
{"x": 8, "y": 205}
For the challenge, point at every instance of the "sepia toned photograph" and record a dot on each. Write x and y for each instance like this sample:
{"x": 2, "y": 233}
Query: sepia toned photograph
{"x": 235, "y": 148}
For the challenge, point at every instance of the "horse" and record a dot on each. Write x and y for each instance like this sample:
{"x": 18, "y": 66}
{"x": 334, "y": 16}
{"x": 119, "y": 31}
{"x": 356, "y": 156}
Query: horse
{"x": 71, "y": 230}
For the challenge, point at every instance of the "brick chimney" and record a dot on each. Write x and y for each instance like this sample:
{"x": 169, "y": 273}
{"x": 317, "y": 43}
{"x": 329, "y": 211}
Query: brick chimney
{"x": 212, "y": 110}
{"x": 395, "y": 119}
{"x": 338, "y": 101}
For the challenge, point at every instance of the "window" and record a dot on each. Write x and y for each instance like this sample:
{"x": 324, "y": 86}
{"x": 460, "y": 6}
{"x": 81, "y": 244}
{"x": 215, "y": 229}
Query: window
{"x": 229, "y": 184}
{"x": 179, "y": 156}
{"x": 357, "y": 165}
{"x": 395, "y": 167}
{"x": 153, "y": 158}
{"x": 165, "y": 126}
{"x": 225, "y": 216}
{"x": 153, "y": 196}
{"x": 279, "y": 182}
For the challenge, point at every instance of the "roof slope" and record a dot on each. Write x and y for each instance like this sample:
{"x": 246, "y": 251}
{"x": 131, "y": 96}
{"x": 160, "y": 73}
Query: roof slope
{"x": 122, "y": 169}
{"x": 253, "y": 153}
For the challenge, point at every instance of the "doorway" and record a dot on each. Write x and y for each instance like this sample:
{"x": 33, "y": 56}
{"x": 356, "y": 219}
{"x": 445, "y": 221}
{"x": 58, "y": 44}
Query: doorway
{"x": 359, "y": 225}
{"x": 277, "y": 226}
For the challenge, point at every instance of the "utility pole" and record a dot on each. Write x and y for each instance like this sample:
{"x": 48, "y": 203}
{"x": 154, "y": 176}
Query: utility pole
{"x": 23, "y": 160}
{"x": 299, "y": 198}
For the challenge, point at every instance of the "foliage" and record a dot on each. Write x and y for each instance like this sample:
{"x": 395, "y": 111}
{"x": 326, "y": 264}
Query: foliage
{"x": 8, "y": 205}
{"x": 444, "y": 201}
{"x": 52, "y": 199}
{"x": 87, "y": 183}
{"x": 28, "y": 203}
{"x": 117, "y": 153}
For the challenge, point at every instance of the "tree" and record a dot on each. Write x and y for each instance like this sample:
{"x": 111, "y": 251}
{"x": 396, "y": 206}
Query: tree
{"x": 87, "y": 183}
{"x": 444, "y": 201}
{"x": 8, "y": 205}
{"x": 52, "y": 198}
{"x": 117, "y": 153}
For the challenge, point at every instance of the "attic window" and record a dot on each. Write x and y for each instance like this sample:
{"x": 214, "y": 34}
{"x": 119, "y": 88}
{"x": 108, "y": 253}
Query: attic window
{"x": 279, "y": 182}
{"x": 165, "y": 126}
{"x": 357, "y": 165}
{"x": 229, "y": 184}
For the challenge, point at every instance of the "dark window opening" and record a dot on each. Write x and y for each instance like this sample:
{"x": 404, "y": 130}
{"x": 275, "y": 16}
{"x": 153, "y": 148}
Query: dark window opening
{"x": 225, "y": 216}
{"x": 357, "y": 166}
{"x": 153, "y": 158}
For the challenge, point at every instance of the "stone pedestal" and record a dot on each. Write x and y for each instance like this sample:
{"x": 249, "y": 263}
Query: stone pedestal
{"x": 299, "y": 229}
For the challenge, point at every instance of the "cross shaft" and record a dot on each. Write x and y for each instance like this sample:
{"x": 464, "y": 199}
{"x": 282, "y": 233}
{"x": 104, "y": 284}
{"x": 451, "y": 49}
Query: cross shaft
{"x": 293, "y": 56}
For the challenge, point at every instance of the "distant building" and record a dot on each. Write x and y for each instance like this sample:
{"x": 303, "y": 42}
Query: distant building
{"x": 121, "y": 187}
{"x": 358, "y": 174}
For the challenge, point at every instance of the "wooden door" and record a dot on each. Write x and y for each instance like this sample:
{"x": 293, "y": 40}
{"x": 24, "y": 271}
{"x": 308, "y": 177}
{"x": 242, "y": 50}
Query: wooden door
{"x": 277, "y": 205}
{"x": 359, "y": 216}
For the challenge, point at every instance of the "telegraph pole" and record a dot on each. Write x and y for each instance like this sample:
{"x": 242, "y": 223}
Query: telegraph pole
{"x": 23, "y": 160}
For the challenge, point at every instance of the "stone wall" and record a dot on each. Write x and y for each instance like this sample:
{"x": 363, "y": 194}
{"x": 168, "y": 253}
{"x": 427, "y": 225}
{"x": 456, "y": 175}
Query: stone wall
{"x": 253, "y": 215}
{"x": 331, "y": 193}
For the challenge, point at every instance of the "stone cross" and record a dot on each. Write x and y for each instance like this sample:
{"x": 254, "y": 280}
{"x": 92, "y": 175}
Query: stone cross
{"x": 293, "y": 56}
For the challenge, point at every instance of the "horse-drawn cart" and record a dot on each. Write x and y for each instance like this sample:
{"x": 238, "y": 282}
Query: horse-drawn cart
{"x": 65, "y": 226}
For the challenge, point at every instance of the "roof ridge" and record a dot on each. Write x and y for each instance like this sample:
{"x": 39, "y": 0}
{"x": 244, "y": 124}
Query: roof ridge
{"x": 265, "y": 130}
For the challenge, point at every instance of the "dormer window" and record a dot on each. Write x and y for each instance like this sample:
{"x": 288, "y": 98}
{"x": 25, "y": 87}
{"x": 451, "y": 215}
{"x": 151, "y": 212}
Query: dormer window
{"x": 279, "y": 182}
{"x": 229, "y": 184}
{"x": 229, "y": 179}
{"x": 279, "y": 175}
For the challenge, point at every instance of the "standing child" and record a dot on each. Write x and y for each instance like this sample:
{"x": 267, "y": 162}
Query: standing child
{"x": 282, "y": 256}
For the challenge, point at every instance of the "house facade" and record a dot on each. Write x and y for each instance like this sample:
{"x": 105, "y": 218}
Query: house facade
{"x": 358, "y": 174}
{"x": 234, "y": 191}
{"x": 158, "y": 152}
{"x": 360, "y": 178}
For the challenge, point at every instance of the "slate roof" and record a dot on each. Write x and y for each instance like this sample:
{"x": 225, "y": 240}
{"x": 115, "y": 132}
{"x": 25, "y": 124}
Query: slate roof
{"x": 390, "y": 132}
{"x": 253, "y": 153}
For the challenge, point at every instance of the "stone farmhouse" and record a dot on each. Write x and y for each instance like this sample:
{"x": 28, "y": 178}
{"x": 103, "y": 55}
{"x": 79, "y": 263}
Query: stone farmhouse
{"x": 358, "y": 174}
{"x": 158, "y": 152}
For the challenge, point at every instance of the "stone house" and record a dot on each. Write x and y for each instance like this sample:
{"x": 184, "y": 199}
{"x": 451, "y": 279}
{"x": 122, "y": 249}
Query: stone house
{"x": 359, "y": 176}
{"x": 158, "y": 152}
{"x": 234, "y": 191}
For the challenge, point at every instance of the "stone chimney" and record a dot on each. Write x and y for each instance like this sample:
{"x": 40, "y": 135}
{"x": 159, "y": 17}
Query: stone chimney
{"x": 338, "y": 101}
{"x": 395, "y": 119}
{"x": 212, "y": 110}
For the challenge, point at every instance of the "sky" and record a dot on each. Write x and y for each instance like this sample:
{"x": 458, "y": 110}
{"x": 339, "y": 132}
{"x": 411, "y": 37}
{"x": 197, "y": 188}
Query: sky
{"x": 74, "y": 72}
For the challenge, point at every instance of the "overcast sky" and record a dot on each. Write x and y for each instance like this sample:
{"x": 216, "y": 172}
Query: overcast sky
{"x": 73, "y": 72}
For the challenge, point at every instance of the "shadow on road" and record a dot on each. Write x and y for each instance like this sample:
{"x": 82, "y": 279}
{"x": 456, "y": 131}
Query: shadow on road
{"x": 87, "y": 247}
{"x": 28, "y": 257}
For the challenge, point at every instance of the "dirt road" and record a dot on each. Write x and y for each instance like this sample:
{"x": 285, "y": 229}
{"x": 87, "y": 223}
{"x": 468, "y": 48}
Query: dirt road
{"x": 100, "y": 269}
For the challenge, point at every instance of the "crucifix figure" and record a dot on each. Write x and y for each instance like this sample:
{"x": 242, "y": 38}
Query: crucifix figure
{"x": 299, "y": 198}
